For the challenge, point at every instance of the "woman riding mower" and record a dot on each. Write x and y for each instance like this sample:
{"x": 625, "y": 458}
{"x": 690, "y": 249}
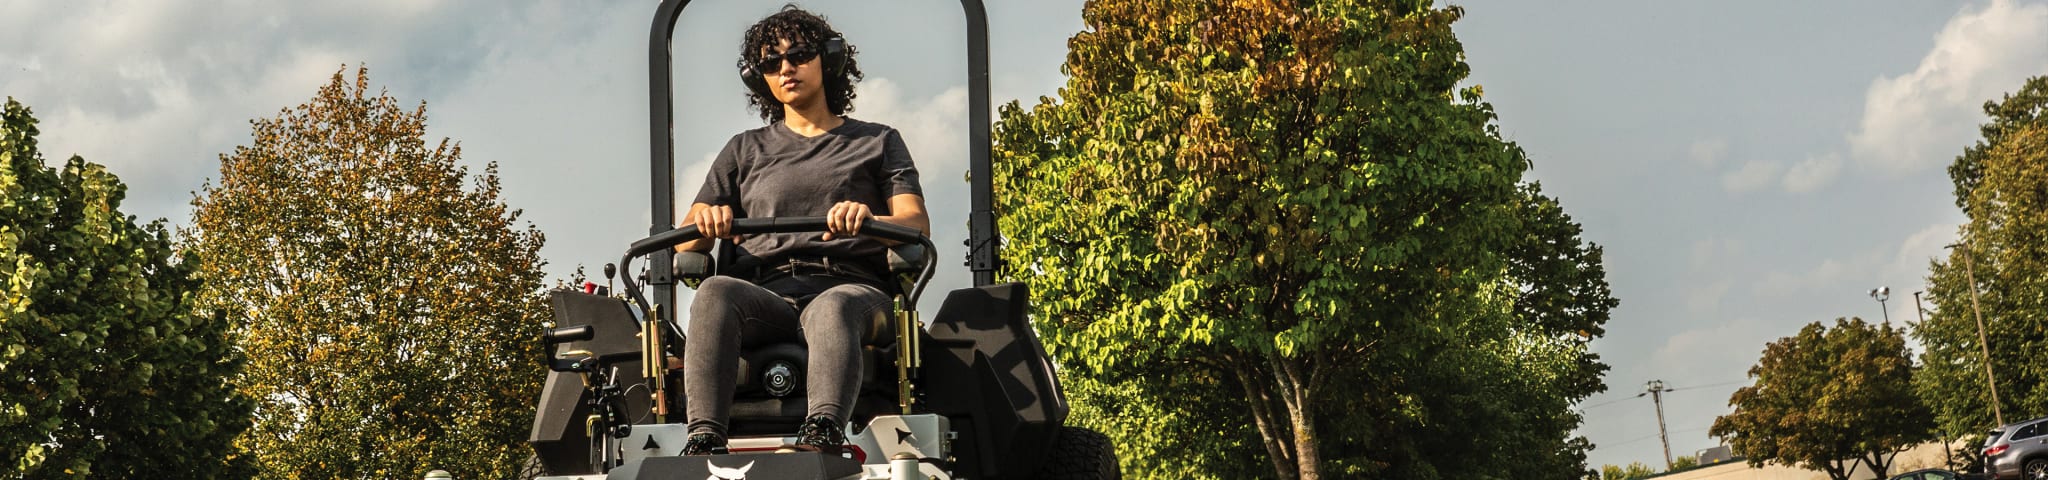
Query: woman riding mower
{"x": 823, "y": 289}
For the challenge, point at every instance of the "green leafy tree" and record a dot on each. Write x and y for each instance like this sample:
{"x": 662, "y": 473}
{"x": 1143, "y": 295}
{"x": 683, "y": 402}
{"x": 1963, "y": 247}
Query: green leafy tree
{"x": 104, "y": 368}
{"x": 388, "y": 311}
{"x": 2011, "y": 118}
{"x": 1175, "y": 425}
{"x": 1279, "y": 228}
{"x": 2000, "y": 183}
{"x": 1827, "y": 399}
{"x": 1684, "y": 463}
{"x": 1633, "y": 471}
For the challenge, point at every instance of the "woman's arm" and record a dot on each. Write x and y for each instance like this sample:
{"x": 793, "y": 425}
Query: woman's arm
{"x": 909, "y": 212}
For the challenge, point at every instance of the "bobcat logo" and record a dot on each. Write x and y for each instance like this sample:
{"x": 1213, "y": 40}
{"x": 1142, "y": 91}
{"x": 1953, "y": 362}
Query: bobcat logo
{"x": 727, "y": 473}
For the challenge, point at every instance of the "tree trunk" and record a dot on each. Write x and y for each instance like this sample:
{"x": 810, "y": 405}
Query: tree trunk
{"x": 1948, "y": 453}
{"x": 1295, "y": 391}
{"x": 1259, "y": 395}
{"x": 1880, "y": 463}
{"x": 1836, "y": 470}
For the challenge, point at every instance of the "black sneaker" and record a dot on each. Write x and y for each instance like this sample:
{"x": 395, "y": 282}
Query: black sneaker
{"x": 705, "y": 443}
{"x": 821, "y": 433}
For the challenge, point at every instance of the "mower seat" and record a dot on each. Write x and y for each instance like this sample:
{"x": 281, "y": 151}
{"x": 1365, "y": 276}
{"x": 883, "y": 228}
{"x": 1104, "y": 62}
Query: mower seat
{"x": 769, "y": 398}
{"x": 756, "y": 411}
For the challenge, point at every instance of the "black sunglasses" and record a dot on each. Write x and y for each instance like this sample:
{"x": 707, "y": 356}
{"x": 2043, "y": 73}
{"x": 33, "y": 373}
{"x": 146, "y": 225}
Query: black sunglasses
{"x": 797, "y": 55}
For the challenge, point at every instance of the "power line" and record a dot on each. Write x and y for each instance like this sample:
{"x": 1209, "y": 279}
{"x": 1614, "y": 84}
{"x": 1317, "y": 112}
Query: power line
{"x": 1606, "y": 403}
{"x": 1710, "y": 385}
{"x": 1634, "y": 440}
{"x": 1650, "y": 436}
{"x": 1639, "y": 395}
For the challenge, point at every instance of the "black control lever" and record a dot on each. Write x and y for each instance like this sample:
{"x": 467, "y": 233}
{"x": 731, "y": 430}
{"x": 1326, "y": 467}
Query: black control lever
{"x": 569, "y": 334}
{"x": 573, "y": 360}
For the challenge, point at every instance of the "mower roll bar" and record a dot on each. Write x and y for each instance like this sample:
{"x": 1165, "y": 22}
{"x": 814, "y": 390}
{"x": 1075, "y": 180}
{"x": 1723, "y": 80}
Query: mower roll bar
{"x": 981, "y": 220}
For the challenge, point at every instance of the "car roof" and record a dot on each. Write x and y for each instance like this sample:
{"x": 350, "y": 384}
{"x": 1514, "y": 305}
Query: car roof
{"x": 2018, "y": 424}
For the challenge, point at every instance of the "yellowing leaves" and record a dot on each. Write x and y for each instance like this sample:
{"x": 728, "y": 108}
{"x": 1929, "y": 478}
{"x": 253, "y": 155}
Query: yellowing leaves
{"x": 371, "y": 274}
{"x": 1825, "y": 397}
{"x": 1999, "y": 267}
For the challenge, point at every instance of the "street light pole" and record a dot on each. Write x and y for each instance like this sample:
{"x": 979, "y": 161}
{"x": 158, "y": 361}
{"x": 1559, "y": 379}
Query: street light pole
{"x": 1919, "y": 310}
{"x": 1983, "y": 341}
{"x": 1882, "y": 294}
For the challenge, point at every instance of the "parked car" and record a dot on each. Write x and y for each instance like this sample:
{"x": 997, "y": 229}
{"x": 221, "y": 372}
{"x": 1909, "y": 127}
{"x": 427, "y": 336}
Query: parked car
{"x": 1936, "y": 474}
{"x": 2018, "y": 450}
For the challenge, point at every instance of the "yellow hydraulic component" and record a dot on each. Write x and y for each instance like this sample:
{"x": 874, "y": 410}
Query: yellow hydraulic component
{"x": 654, "y": 363}
{"x": 909, "y": 358}
{"x": 579, "y": 353}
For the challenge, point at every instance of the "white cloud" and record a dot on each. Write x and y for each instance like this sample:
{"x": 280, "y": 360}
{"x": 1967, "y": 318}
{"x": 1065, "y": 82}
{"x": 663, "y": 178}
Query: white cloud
{"x": 156, "y": 90}
{"x": 1927, "y": 244}
{"x": 1709, "y": 152}
{"x": 1830, "y": 274}
{"x": 1813, "y": 173}
{"x": 1690, "y": 350}
{"x": 1712, "y": 251}
{"x": 1923, "y": 118}
{"x": 1708, "y": 363}
{"x": 1902, "y": 265}
{"x": 1705, "y": 293}
{"x": 1753, "y": 175}
{"x": 1808, "y": 175}
{"x": 1703, "y": 252}
{"x": 692, "y": 177}
{"x": 1707, "y": 298}
{"x": 934, "y": 128}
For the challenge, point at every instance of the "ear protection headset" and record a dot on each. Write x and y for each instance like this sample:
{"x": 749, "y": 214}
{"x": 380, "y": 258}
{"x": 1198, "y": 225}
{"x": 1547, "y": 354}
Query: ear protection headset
{"x": 833, "y": 55}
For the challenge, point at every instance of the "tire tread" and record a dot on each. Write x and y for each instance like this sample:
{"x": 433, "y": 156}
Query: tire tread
{"x": 1081, "y": 454}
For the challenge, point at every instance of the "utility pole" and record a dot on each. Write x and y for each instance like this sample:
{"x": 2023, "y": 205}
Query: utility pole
{"x": 1656, "y": 393}
{"x": 1983, "y": 341}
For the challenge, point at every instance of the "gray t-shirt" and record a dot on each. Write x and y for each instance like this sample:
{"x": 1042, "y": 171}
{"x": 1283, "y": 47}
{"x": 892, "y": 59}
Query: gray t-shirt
{"x": 774, "y": 172}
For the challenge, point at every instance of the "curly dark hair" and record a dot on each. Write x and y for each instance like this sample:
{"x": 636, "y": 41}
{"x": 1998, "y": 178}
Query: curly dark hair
{"x": 800, "y": 28}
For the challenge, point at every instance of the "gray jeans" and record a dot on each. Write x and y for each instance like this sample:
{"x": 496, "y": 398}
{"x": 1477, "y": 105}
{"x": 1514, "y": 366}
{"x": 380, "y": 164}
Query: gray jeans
{"x": 729, "y": 314}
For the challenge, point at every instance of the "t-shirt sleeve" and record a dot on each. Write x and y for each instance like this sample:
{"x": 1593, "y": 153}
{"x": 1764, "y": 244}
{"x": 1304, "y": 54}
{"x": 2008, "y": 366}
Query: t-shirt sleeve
{"x": 722, "y": 183}
{"x": 899, "y": 174}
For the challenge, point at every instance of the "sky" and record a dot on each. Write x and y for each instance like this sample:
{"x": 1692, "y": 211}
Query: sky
{"x": 1748, "y": 166}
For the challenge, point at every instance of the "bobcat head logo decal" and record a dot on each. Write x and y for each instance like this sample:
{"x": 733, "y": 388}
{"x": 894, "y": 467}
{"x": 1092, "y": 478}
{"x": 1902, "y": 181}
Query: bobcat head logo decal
{"x": 727, "y": 473}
